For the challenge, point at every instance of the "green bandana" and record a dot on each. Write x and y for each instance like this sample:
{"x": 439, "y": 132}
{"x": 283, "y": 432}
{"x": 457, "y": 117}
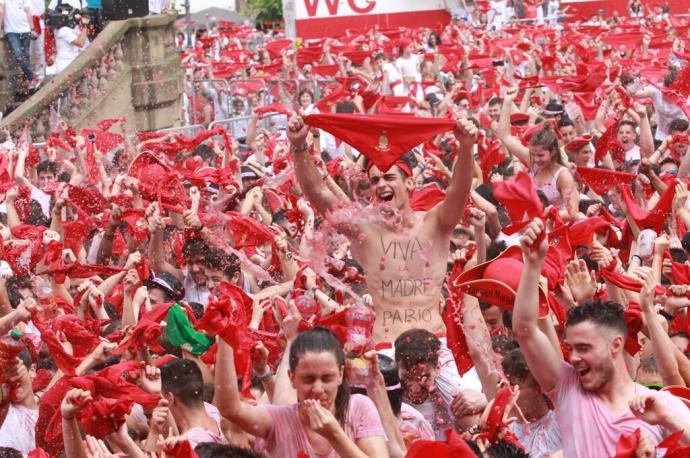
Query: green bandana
{"x": 180, "y": 332}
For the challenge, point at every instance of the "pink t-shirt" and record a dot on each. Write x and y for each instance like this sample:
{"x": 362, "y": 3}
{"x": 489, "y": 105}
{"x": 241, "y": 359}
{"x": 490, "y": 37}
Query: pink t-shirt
{"x": 587, "y": 429}
{"x": 287, "y": 437}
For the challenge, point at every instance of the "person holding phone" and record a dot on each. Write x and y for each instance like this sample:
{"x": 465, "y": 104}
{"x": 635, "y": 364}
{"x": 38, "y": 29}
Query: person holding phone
{"x": 71, "y": 41}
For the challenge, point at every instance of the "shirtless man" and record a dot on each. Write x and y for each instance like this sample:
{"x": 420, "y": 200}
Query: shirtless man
{"x": 404, "y": 269}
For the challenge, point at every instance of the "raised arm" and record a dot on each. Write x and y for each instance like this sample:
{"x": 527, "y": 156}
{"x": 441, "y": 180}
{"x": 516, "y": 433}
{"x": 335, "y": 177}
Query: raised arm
{"x": 307, "y": 173}
{"x": 512, "y": 143}
{"x": 541, "y": 358}
{"x": 156, "y": 249}
{"x": 450, "y": 210}
{"x": 662, "y": 346}
{"x": 646, "y": 137}
{"x": 253, "y": 419}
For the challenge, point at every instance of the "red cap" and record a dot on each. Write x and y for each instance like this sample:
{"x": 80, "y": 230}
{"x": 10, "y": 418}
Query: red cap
{"x": 495, "y": 282}
{"x": 575, "y": 145}
{"x": 519, "y": 117}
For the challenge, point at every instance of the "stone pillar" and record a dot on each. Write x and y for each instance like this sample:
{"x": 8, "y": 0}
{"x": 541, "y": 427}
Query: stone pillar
{"x": 157, "y": 75}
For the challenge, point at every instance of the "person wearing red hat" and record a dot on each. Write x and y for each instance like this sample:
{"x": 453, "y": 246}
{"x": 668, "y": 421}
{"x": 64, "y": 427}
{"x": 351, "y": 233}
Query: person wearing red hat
{"x": 408, "y": 63}
{"x": 580, "y": 151}
{"x": 595, "y": 399}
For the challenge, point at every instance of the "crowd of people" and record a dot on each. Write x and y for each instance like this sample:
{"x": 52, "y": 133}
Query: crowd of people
{"x": 465, "y": 241}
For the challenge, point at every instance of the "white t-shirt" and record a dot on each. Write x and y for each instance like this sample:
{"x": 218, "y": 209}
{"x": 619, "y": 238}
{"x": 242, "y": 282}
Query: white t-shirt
{"x": 194, "y": 292}
{"x": 394, "y": 79}
{"x": 15, "y": 19}
{"x": 157, "y": 6}
{"x": 43, "y": 200}
{"x": 18, "y": 431}
{"x": 66, "y": 52}
{"x": 38, "y": 7}
{"x": 541, "y": 438}
{"x": 409, "y": 67}
{"x": 633, "y": 154}
{"x": 666, "y": 112}
{"x": 76, "y": 4}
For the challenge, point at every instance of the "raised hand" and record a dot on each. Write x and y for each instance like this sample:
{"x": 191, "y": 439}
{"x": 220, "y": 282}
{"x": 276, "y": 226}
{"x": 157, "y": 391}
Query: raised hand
{"x": 73, "y": 402}
{"x": 581, "y": 282}
{"x": 534, "y": 249}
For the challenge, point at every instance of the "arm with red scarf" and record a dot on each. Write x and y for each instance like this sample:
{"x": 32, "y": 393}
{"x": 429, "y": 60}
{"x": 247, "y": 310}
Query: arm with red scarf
{"x": 511, "y": 142}
{"x": 156, "y": 249}
{"x": 451, "y": 209}
{"x": 662, "y": 346}
{"x": 306, "y": 170}
{"x": 542, "y": 359}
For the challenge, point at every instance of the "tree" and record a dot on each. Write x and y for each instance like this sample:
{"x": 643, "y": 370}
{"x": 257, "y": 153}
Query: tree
{"x": 266, "y": 10}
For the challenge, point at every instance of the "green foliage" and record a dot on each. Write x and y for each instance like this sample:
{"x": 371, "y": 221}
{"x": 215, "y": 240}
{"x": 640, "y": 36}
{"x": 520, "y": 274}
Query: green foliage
{"x": 266, "y": 10}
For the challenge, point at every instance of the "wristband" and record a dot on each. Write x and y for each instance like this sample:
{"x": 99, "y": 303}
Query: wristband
{"x": 267, "y": 376}
{"x": 666, "y": 315}
{"x": 66, "y": 418}
{"x": 199, "y": 229}
{"x": 636, "y": 256}
{"x": 300, "y": 149}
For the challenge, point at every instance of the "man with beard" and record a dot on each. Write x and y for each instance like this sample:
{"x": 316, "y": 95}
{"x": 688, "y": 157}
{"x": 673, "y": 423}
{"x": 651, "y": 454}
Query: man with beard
{"x": 404, "y": 261}
{"x": 594, "y": 397}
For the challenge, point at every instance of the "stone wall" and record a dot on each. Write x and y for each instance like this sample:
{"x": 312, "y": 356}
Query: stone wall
{"x": 132, "y": 69}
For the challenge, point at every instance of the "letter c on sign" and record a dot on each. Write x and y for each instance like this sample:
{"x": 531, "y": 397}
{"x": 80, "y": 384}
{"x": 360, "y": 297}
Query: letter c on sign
{"x": 367, "y": 9}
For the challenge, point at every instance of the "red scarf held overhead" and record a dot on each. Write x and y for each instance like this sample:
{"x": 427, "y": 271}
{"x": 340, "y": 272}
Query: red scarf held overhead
{"x": 381, "y": 138}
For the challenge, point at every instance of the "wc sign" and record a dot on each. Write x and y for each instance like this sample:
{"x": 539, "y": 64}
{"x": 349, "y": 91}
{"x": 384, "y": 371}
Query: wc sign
{"x": 329, "y": 18}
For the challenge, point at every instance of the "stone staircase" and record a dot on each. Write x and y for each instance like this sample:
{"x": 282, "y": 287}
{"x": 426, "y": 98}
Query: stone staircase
{"x": 131, "y": 70}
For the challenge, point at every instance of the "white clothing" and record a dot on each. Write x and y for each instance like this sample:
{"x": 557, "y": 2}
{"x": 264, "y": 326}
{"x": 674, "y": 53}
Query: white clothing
{"x": 157, "y": 6}
{"x": 38, "y": 57}
{"x": 335, "y": 149}
{"x": 633, "y": 154}
{"x": 43, "y": 200}
{"x": 76, "y": 4}
{"x": 15, "y": 19}
{"x": 66, "y": 52}
{"x": 395, "y": 83}
{"x": 38, "y": 8}
{"x": 194, "y": 292}
{"x": 18, "y": 431}
{"x": 497, "y": 13}
{"x": 409, "y": 67}
{"x": 665, "y": 113}
{"x": 541, "y": 438}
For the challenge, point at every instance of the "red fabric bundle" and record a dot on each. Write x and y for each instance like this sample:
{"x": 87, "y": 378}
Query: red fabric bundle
{"x": 454, "y": 447}
{"x": 426, "y": 198}
{"x": 276, "y": 107}
{"x": 456, "y": 338}
{"x": 653, "y": 218}
{"x": 607, "y": 140}
{"x": 226, "y": 316}
{"x": 627, "y": 444}
{"x": 247, "y": 231}
{"x": 520, "y": 198}
{"x": 601, "y": 180}
{"x": 633, "y": 320}
{"x": 113, "y": 398}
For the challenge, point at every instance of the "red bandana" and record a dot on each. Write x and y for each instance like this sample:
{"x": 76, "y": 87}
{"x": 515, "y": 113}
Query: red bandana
{"x": 381, "y": 138}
